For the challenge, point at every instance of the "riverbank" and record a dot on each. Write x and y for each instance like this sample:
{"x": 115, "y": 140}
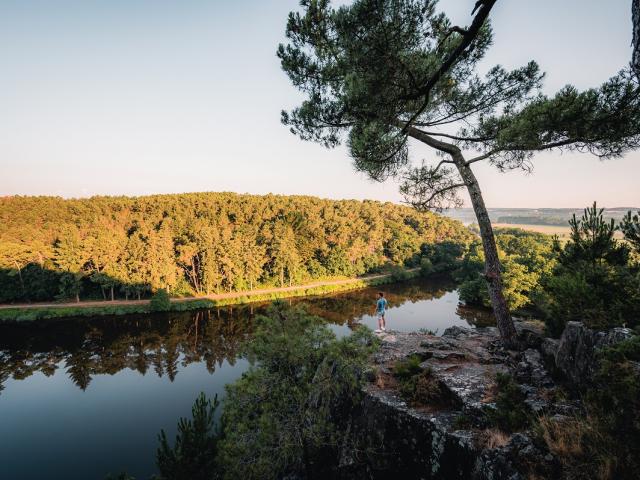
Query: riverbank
{"x": 31, "y": 312}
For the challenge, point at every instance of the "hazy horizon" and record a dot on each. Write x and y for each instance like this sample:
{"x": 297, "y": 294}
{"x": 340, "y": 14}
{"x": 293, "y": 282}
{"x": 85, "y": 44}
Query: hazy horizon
{"x": 152, "y": 97}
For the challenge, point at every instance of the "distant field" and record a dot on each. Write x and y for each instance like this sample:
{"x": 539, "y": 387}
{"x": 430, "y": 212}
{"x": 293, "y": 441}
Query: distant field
{"x": 561, "y": 231}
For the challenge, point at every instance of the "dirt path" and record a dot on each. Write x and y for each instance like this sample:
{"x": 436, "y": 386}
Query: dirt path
{"x": 217, "y": 296}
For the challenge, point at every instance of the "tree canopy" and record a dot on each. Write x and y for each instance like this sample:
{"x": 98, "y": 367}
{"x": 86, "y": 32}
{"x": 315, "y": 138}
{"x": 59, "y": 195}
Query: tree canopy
{"x": 372, "y": 75}
{"x": 379, "y": 73}
{"x": 199, "y": 243}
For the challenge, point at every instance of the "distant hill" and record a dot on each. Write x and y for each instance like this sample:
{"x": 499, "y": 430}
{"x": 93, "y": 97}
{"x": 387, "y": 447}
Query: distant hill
{"x": 533, "y": 216}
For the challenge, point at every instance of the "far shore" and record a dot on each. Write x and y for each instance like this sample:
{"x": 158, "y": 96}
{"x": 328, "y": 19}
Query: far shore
{"x": 37, "y": 311}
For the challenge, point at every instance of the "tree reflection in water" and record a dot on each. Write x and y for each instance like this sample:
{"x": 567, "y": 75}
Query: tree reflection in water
{"x": 165, "y": 342}
{"x": 85, "y": 348}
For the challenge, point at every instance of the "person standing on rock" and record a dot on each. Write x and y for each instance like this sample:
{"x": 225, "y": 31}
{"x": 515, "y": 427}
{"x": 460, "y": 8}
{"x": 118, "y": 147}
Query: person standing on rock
{"x": 381, "y": 307}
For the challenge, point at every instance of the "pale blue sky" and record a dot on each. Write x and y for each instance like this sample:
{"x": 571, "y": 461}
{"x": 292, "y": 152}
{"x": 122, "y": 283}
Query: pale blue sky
{"x": 157, "y": 96}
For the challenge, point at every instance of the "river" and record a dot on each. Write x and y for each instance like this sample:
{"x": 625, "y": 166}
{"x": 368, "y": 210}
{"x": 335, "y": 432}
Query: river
{"x": 81, "y": 398}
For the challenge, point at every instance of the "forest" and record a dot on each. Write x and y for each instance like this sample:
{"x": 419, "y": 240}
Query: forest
{"x": 593, "y": 277}
{"x": 200, "y": 243}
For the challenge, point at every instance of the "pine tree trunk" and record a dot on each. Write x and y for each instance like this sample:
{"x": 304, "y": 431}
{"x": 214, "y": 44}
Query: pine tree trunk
{"x": 112, "y": 297}
{"x": 635, "y": 59}
{"x": 493, "y": 270}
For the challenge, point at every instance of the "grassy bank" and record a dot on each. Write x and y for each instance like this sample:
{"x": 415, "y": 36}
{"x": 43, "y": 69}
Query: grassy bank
{"x": 20, "y": 314}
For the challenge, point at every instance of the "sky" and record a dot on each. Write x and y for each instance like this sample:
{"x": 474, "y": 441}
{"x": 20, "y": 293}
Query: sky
{"x": 133, "y": 97}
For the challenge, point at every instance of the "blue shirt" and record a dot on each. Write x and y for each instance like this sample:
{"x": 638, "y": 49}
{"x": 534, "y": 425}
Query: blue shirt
{"x": 381, "y": 305}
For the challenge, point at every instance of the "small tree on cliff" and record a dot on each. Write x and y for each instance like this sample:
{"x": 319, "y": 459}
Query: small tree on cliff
{"x": 378, "y": 73}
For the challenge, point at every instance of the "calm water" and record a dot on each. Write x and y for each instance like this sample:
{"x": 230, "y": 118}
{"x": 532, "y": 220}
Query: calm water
{"x": 82, "y": 398}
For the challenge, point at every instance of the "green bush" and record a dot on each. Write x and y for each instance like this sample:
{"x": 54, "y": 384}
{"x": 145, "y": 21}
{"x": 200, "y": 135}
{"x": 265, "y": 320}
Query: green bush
{"x": 418, "y": 385}
{"x": 444, "y": 256}
{"x": 285, "y": 415}
{"x": 510, "y": 414}
{"x": 399, "y": 274}
{"x": 615, "y": 400}
{"x": 160, "y": 302}
{"x": 426, "y": 267}
{"x": 407, "y": 368}
{"x": 526, "y": 258}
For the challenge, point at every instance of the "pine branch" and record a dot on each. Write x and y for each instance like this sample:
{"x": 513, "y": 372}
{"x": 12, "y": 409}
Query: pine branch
{"x": 468, "y": 36}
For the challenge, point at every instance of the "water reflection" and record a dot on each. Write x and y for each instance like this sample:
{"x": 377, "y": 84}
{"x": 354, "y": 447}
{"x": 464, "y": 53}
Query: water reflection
{"x": 161, "y": 342}
{"x": 166, "y": 342}
{"x": 77, "y": 388}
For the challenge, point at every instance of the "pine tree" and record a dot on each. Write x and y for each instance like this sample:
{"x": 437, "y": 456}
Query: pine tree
{"x": 377, "y": 73}
{"x": 630, "y": 227}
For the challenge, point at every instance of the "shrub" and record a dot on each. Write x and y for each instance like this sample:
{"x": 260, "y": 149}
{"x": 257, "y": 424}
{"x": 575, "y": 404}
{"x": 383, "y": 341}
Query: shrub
{"x": 444, "y": 256}
{"x": 160, "y": 302}
{"x": 426, "y": 267}
{"x": 407, "y": 368}
{"x": 510, "y": 414}
{"x": 428, "y": 389}
{"x": 600, "y": 295}
{"x": 418, "y": 385}
{"x": 474, "y": 291}
{"x": 462, "y": 422}
{"x": 595, "y": 280}
{"x": 570, "y": 440}
{"x": 284, "y": 416}
{"x": 399, "y": 274}
{"x": 615, "y": 403}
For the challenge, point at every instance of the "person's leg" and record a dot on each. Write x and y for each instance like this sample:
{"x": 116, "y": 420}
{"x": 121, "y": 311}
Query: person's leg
{"x": 382, "y": 322}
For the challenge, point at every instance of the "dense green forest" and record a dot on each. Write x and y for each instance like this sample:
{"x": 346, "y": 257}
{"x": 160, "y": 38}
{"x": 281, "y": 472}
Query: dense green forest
{"x": 200, "y": 243}
{"x": 593, "y": 277}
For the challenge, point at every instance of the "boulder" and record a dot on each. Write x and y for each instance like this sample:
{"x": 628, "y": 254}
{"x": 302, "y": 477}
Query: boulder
{"x": 576, "y": 354}
{"x": 549, "y": 349}
{"x": 530, "y": 369}
{"x": 530, "y": 333}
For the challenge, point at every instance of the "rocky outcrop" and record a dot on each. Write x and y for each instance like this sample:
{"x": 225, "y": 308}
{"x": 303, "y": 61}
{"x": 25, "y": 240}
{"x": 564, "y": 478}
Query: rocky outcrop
{"x": 576, "y": 353}
{"x": 452, "y": 439}
{"x": 393, "y": 437}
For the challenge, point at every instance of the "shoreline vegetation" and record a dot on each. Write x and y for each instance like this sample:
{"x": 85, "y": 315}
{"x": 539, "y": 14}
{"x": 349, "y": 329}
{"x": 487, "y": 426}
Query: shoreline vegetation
{"x": 201, "y": 244}
{"x": 32, "y": 312}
